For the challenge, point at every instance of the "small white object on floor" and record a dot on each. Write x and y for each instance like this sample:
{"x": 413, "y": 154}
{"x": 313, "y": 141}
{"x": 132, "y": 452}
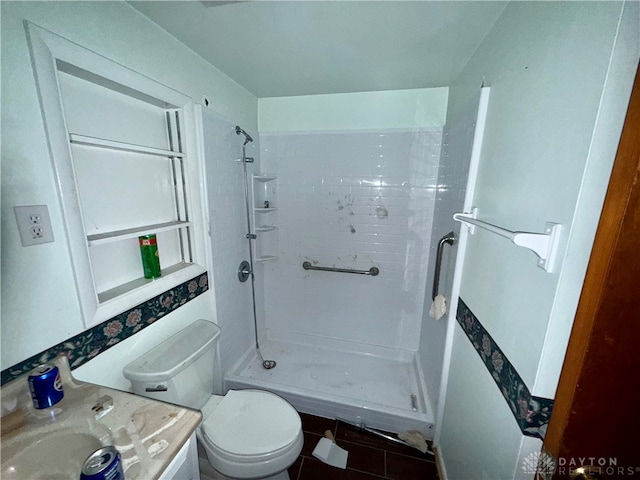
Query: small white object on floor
{"x": 438, "y": 307}
{"x": 414, "y": 439}
{"x": 328, "y": 452}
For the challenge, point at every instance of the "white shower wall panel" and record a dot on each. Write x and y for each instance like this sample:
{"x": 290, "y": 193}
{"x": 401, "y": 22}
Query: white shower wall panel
{"x": 227, "y": 224}
{"x": 352, "y": 200}
{"x": 453, "y": 172}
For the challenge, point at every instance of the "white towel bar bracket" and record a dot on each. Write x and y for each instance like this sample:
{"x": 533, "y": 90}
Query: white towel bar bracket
{"x": 544, "y": 245}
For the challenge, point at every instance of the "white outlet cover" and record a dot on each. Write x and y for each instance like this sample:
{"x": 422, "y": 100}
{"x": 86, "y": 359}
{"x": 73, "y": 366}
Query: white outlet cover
{"x": 25, "y": 217}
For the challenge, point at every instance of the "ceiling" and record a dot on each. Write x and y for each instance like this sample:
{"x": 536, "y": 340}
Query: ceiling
{"x": 286, "y": 48}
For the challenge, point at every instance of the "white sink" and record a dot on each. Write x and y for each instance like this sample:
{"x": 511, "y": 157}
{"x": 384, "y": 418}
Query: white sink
{"x": 55, "y": 452}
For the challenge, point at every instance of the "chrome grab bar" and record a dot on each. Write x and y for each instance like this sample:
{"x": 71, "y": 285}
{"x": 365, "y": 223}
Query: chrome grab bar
{"x": 449, "y": 238}
{"x": 373, "y": 271}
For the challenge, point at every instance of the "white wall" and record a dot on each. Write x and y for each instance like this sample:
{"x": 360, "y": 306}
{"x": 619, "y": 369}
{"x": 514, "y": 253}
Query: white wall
{"x": 546, "y": 64}
{"x": 602, "y": 148}
{"x": 40, "y": 305}
{"x": 412, "y": 108}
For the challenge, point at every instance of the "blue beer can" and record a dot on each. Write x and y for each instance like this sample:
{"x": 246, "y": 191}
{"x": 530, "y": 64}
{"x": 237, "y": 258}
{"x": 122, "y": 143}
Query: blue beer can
{"x": 103, "y": 464}
{"x": 45, "y": 386}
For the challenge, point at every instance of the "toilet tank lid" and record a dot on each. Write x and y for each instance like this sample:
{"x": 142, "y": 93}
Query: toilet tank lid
{"x": 174, "y": 354}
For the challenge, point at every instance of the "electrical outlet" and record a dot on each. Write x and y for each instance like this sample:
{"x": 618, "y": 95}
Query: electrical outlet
{"x": 34, "y": 224}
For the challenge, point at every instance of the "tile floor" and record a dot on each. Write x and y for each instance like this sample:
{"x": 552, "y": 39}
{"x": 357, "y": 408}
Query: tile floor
{"x": 370, "y": 457}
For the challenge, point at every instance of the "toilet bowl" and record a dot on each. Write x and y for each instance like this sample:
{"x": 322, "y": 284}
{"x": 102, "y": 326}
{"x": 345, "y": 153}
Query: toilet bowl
{"x": 246, "y": 434}
{"x": 250, "y": 434}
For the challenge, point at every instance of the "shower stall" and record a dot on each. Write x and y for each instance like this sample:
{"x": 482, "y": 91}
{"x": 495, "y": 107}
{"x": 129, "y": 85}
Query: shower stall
{"x": 348, "y": 343}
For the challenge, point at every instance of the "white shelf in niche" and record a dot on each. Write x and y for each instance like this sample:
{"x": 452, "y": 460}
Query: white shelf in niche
{"x": 118, "y": 235}
{"x": 108, "y": 128}
{"x": 265, "y": 210}
{"x": 175, "y": 274}
{"x": 127, "y": 147}
{"x": 266, "y": 258}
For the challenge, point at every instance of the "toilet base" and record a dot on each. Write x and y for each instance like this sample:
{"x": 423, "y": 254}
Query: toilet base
{"x": 207, "y": 472}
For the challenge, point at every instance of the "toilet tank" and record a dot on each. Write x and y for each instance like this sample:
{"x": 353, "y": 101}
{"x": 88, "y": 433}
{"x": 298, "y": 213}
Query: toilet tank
{"x": 180, "y": 369}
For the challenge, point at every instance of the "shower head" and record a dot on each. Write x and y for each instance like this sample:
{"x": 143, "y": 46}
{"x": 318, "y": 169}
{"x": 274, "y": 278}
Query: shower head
{"x": 247, "y": 137}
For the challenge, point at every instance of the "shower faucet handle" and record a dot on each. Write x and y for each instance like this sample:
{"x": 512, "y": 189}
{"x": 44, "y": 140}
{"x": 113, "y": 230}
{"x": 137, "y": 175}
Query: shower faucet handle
{"x": 244, "y": 270}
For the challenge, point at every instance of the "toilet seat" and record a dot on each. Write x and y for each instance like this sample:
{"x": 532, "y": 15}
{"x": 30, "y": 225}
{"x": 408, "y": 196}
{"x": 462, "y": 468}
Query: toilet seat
{"x": 252, "y": 423}
{"x": 250, "y": 431}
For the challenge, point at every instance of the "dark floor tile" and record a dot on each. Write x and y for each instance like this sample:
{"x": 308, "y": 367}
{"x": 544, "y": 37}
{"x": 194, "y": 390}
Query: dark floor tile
{"x": 313, "y": 424}
{"x": 363, "y": 458}
{"x": 370, "y": 457}
{"x": 294, "y": 470}
{"x": 353, "y": 434}
{"x": 310, "y": 442}
{"x": 401, "y": 467}
{"x": 313, "y": 469}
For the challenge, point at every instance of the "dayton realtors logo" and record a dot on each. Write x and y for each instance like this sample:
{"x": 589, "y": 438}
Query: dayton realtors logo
{"x": 545, "y": 465}
{"x": 539, "y": 462}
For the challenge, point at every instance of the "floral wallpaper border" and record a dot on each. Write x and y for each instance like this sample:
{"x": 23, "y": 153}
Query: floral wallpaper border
{"x": 531, "y": 413}
{"x": 90, "y": 343}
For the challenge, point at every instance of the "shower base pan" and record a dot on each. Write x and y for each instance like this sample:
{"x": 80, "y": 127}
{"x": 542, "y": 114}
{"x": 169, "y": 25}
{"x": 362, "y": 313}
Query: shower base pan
{"x": 331, "y": 378}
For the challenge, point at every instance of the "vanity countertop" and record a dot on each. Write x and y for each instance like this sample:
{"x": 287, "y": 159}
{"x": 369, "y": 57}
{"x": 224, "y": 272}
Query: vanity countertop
{"x": 147, "y": 433}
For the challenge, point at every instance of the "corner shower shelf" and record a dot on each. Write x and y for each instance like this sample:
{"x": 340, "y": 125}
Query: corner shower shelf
{"x": 265, "y": 222}
{"x": 266, "y": 177}
{"x": 118, "y": 235}
{"x": 544, "y": 245}
{"x": 266, "y": 258}
{"x": 266, "y": 228}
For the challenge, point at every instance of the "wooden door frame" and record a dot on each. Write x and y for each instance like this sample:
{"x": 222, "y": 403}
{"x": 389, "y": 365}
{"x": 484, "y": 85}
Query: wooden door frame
{"x": 601, "y": 274}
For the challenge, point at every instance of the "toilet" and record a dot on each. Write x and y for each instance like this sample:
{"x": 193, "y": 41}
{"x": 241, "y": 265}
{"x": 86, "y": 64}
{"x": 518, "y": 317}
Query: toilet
{"x": 250, "y": 434}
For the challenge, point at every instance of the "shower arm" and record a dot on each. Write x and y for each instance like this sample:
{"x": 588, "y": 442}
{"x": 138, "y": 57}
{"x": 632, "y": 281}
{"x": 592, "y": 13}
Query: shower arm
{"x": 247, "y": 137}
